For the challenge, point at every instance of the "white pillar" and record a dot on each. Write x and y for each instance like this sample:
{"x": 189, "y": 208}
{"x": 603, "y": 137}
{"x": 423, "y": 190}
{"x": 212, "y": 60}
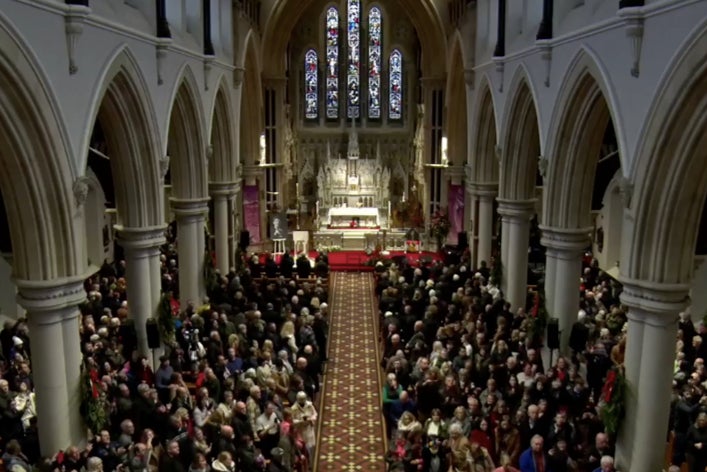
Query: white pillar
{"x": 549, "y": 283}
{"x": 155, "y": 278}
{"x": 565, "y": 247}
{"x": 516, "y": 218}
{"x": 201, "y": 248}
{"x": 485, "y": 226}
{"x": 221, "y": 193}
{"x": 650, "y": 353}
{"x": 140, "y": 245}
{"x": 190, "y": 217}
{"x": 52, "y": 315}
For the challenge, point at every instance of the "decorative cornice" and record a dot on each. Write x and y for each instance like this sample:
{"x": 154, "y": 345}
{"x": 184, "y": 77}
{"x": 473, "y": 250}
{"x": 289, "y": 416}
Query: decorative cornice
{"x": 516, "y": 209}
{"x": 59, "y": 297}
{"x": 654, "y": 303}
{"x": 633, "y": 21}
{"x": 564, "y": 239}
{"x": 80, "y": 189}
{"x": 74, "y": 19}
{"x": 136, "y": 239}
{"x": 223, "y": 189}
{"x": 191, "y": 209}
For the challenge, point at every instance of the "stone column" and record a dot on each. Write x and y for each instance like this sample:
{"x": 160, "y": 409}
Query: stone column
{"x": 190, "y": 224}
{"x": 564, "y": 269}
{"x": 221, "y": 193}
{"x": 485, "y": 193}
{"x": 52, "y": 315}
{"x": 516, "y": 219}
{"x": 650, "y": 353}
{"x": 140, "y": 245}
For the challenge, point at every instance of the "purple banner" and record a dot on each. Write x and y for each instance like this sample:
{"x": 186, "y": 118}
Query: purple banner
{"x": 251, "y": 212}
{"x": 456, "y": 213}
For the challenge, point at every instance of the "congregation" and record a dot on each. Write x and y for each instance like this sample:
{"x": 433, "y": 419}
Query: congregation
{"x": 233, "y": 390}
{"x": 467, "y": 389}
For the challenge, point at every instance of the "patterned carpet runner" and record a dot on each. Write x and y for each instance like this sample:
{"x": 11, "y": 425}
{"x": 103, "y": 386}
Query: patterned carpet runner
{"x": 351, "y": 431}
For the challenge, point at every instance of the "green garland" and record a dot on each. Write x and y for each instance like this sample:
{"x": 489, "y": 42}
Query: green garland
{"x": 613, "y": 411}
{"x": 95, "y": 412}
{"x": 165, "y": 320}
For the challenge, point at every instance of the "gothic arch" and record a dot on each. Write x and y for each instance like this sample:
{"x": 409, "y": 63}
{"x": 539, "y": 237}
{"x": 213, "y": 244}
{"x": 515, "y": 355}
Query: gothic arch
{"x": 252, "y": 120}
{"x": 185, "y": 140}
{"x": 124, "y": 108}
{"x": 222, "y": 167}
{"x": 579, "y": 122}
{"x": 485, "y": 164}
{"x": 520, "y": 140}
{"x": 670, "y": 175}
{"x": 456, "y": 122}
{"x": 36, "y": 171}
{"x": 285, "y": 15}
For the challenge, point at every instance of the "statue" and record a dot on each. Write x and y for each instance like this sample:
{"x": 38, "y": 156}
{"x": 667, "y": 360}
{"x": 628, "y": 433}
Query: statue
{"x": 262, "y": 148}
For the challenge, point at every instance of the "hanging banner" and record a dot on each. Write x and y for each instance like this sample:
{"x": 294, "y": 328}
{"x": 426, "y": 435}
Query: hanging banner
{"x": 251, "y": 212}
{"x": 456, "y": 213}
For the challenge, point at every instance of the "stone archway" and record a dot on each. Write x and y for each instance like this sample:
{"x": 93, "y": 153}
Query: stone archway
{"x": 44, "y": 204}
{"x": 580, "y": 119}
{"x": 520, "y": 149}
{"x": 189, "y": 170}
{"x": 483, "y": 176}
{"x": 661, "y": 220}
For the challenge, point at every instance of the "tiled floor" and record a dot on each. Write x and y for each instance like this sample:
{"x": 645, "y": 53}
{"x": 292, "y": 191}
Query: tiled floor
{"x": 351, "y": 429}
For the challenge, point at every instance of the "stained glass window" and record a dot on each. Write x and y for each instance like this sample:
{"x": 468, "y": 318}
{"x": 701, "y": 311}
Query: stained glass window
{"x": 374, "y": 62}
{"x": 311, "y": 85}
{"x": 332, "y": 61}
{"x": 354, "y": 59}
{"x": 395, "y": 100}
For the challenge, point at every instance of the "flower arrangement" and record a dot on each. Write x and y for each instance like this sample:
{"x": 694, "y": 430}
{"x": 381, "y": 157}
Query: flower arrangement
{"x": 165, "y": 319}
{"x": 94, "y": 409}
{"x": 612, "y": 406}
{"x": 440, "y": 225}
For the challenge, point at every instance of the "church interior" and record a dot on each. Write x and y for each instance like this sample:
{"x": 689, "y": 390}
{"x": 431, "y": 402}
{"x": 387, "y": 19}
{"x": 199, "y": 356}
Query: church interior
{"x": 340, "y": 235}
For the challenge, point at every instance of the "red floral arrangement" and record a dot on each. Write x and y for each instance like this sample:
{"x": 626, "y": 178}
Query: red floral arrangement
{"x": 612, "y": 406}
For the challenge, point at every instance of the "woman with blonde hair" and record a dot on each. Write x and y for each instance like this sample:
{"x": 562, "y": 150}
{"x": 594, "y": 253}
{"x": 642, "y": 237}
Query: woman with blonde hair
{"x": 505, "y": 465}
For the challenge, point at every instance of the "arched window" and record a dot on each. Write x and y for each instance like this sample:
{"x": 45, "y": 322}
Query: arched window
{"x": 311, "y": 85}
{"x": 332, "y": 60}
{"x": 374, "y": 62}
{"x": 395, "y": 100}
{"x": 354, "y": 58}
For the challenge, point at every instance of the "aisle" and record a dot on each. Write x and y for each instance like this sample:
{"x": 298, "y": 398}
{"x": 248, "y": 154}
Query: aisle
{"x": 351, "y": 433}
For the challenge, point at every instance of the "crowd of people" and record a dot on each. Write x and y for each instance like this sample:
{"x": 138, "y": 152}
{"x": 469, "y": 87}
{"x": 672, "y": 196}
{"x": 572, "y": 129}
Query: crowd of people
{"x": 467, "y": 389}
{"x": 233, "y": 390}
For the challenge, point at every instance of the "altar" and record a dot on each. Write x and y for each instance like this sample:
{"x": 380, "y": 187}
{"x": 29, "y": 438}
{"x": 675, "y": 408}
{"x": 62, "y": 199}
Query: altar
{"x": 343, "y": 217}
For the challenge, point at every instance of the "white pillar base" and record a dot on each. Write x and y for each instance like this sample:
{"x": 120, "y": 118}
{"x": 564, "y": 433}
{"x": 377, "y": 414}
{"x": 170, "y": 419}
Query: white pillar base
{"x": 516, "y": 236}
{"x": 190, "y": 227}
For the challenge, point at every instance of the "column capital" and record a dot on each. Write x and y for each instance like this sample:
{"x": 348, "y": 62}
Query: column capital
{"x": 253, "y": 171}
{"x": 54, "y": 299}
{"x": 654, "y": 303}
{"x": 565, "y": 239}
{"x": 516, "y": 209}
{"x": 483, "y": 189}
{"x": 141, "y": 239}
{"x": 223, "y": 189}
{"x": 192, "y": 209}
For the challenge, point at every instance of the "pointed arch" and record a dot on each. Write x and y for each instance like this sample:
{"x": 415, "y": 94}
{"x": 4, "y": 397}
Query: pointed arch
{"x": 252, "y": 119}
{"x": 580, "y": 118}
{"x": 457, "y": 129}
{"x": 669, "y": 174}
{"x": 123, "y": 107}
{"x": 520, "y": 140}
{"x": 185, "y": 140}
{"x": 222, "y": 167}
{"x": 484, "y": 162}
{"x": 35, "y": 170}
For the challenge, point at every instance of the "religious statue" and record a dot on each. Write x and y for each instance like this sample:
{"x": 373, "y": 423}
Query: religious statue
{"x": 262, "y": 148}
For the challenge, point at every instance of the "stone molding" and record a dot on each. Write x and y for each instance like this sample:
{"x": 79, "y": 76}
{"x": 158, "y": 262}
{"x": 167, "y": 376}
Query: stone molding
{"x": 654, "y": 303}
{"x": 189, "y": 210}
{"x": 516, "y": 209}
{"x": 141, "y": 239}
{"x": 223, "y": 189}
{"x": 483, "y": 189}
{"x": 55, "y": 300}
{"x": 565, "y": 239}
